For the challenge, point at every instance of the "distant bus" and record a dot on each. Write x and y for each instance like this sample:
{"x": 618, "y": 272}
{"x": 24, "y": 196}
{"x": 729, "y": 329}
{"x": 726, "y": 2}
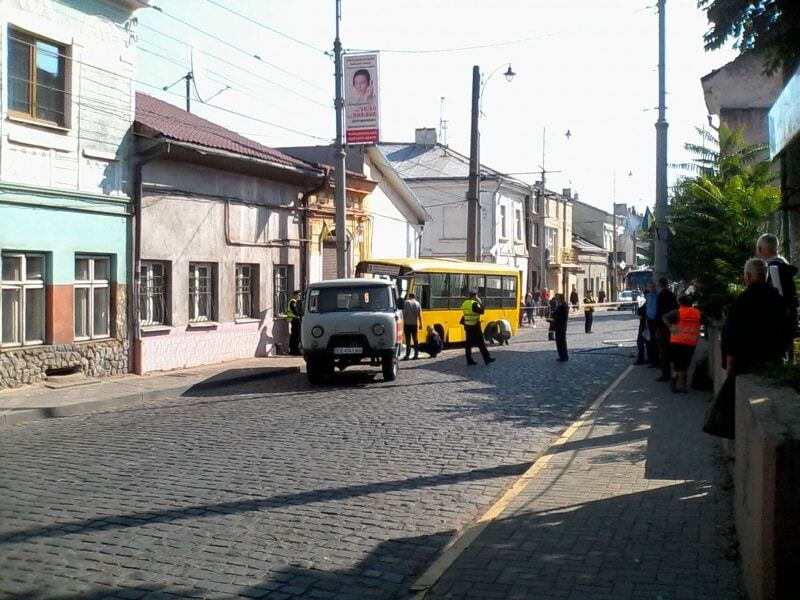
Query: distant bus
{"x": 639, "y": 279}
{"x": 442, "y": 285}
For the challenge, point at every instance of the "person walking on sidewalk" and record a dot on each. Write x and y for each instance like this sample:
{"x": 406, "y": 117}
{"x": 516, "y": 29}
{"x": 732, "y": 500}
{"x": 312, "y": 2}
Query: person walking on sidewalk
{"x": 412, "y": 316}
{"x": 560, "y": 319}
{"x": 588, "y": 311}
{"x": 473, "y": 309}
{"x": 294, "y": 314}
{"x": 665, "y": 302}
{"x": 684, "y": 324}
{"x": 642, "y": 335}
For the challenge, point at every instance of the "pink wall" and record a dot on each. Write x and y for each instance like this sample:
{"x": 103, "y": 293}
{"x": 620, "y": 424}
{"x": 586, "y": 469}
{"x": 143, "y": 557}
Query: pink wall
{"x": 182, "y": 347}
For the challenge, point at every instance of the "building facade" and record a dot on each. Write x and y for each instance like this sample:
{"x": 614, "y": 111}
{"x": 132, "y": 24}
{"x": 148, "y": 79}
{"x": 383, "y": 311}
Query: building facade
{"x": 65, "y": 203}
{"x": 438, "y": 177}
{"x": 220, "y": 242}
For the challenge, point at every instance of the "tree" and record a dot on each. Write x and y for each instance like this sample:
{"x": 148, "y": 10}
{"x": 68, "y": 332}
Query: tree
{"x": 771, "y": 26}
{"x": 717, "y": 215}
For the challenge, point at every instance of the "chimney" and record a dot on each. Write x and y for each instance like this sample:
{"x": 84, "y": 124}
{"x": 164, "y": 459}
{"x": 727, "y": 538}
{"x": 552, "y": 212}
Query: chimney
{"x": 567, "y": 193}
{"x": 575, "y": 196}
{"x": 425, "y": 136}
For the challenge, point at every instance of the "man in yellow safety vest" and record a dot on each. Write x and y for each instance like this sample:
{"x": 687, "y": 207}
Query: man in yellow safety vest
{"x": 473, "y": 309}
{"x": 294, "y": 312}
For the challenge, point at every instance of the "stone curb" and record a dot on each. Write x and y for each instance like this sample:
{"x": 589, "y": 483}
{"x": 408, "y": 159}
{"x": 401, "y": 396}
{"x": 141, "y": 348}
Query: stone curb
{"x": 79, "y": 408}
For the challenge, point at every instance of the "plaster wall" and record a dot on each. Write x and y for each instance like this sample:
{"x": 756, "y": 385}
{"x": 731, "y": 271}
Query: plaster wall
{"x": 393, "y": 232}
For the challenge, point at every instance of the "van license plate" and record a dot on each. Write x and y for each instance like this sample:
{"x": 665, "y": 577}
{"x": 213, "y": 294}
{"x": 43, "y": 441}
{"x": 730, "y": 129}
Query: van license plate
{"x": 347, "y": 350}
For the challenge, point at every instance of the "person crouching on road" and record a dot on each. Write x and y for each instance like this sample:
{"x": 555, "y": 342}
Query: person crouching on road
{"x": 499, "y": 331}
{"x": 412, "y": 316}
{"x": 588, "y": 311}
{"x": 560, "y": 319}
{"x": 684, "y": 324}
{"x": 473, "y": 309}
{"x": 433, "y": 344}
{"x": 294, "y": 313}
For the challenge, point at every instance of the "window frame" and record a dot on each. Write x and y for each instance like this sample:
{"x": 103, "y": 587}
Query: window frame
{"x": 503, "y": 222}
{"x": 518, "y": 224}
{"x": 20, "y": 36}
{"x": 250, "y": 293}
{"x": 92, "y": 284}
{"x": 194, "y": 304}
{"x": 282, "y": 281}
{"x": 23, "y": 285}
{"x": 146, "y": 285}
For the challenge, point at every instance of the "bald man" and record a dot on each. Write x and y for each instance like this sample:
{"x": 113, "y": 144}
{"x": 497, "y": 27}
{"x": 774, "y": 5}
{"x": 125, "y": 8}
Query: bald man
{"x": 780, "y": 275}
{"x": 756, "y": 331}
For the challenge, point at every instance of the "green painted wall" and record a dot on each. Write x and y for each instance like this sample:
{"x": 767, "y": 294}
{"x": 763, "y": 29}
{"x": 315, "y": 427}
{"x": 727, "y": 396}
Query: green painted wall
{"x": 63, "y": 234}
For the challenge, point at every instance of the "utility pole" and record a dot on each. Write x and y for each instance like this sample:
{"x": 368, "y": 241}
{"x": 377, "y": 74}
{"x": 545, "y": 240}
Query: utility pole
{"x": 543, "y": 208}
{"x": 339, "y": 167}
{"x": 662, "y": 231}
{"x": 474, "y": 187}
{"x": 188, "y": 78}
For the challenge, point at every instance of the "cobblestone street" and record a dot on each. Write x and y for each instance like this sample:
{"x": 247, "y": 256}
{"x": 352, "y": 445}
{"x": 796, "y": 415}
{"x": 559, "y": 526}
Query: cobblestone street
{"x": 343, "y": 491}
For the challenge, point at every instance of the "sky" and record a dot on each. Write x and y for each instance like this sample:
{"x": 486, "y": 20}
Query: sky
{"x": 587, "y": 66}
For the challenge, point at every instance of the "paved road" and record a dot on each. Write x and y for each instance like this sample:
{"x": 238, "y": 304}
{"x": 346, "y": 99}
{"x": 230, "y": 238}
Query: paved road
{"x": 345, "y": 491}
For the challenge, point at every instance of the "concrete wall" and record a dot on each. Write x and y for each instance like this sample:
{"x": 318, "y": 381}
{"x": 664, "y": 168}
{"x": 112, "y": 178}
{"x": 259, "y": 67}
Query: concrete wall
{"x": 184, "y": 220}
{"x": 767, "y": 487}
{"x": 395, "y": 233}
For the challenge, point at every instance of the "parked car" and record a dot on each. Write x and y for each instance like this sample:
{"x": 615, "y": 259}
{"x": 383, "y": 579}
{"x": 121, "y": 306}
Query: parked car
{"x": 348, "y": 321}
{"x": 626, "y": 300}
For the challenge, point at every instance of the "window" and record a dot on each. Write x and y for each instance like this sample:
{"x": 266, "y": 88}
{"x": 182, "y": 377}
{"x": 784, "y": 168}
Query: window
{"x": 509, "y": 293}
{"x": 22, "y": 301}
{"x": 493, "y": 298}
{"x": 92, "y": 297}
{"x": 282, "y": 280}
{"x": 440, "y": 290}
{"x": 503, "y": 222}
{"x": 350, "y": 299}
{"x": 153, "y": 293}
{"x": 36, "y": 78}
{"x": 518, "y": 224}
{"x": 246, "y": 283}
{"x": 201, "y": 292}
{"x": 535, "y": 234}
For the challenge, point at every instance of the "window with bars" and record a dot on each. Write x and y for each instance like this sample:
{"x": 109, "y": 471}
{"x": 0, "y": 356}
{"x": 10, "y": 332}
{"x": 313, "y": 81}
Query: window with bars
{"x": 36, "y": 78}
{"x": 246, "y": 283}
{"x": 282, "y": 281}
{"x": 92, "y": 297}
{"x": 22, "y": 299}
{"x": 201, "y": 292}
{"x": 153, "y": 293}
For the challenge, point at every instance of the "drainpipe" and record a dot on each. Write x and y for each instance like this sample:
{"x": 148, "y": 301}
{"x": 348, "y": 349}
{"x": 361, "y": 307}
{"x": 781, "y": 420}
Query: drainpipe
{"x": 305, "y": 241}
{"x": 135, "y": 259}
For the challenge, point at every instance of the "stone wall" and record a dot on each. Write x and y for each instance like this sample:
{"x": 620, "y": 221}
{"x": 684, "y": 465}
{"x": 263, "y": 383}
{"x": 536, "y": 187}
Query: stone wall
{"x": 767, "y": 487}
{"x": 24, "y": 366}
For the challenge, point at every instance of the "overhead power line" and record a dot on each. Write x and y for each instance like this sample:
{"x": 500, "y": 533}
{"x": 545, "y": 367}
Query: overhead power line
{"x": 234, "y": 47}
{"x": 445, "y": 50}
{"x": 275, "y": 31}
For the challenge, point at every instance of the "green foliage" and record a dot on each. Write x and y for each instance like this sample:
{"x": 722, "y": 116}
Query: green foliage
{"x": 771, "y": 26}
{"x": 716, "y": 217}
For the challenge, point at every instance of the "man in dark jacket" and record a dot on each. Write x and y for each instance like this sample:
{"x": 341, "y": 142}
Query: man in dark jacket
{"x": 756, "y": 331}
{"x": 560, "y": 319}
{"x": 780, "y": 275}
{"x": 665, "y": 302}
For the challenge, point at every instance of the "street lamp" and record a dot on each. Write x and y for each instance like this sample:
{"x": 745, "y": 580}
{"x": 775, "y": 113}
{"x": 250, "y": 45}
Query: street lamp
{"x": 473, "y": 190}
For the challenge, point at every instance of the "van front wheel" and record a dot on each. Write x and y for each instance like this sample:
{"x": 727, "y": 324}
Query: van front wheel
{"x": 389, "y": 367}
{"x": 315, "y": 369}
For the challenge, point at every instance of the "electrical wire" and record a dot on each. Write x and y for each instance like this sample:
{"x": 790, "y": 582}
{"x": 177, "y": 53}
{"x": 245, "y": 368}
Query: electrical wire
{"x": 234, "y": 47}
{"x": 275, "y": 31}
{"x": 446, "y": 50}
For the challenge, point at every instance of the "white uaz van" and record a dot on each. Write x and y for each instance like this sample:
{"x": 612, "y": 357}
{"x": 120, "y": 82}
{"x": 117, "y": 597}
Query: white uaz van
{"x": 347, "y": 321}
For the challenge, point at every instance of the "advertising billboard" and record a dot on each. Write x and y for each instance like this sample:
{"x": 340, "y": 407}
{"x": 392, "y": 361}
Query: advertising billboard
{"x": 361, "y": 98}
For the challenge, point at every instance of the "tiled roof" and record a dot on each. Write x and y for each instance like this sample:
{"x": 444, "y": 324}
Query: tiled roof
{"x": 170, "y": 122}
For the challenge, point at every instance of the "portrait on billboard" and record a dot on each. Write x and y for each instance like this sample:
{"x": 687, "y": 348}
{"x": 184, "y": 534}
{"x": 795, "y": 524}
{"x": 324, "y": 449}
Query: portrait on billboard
{"x": 362, "y": 110}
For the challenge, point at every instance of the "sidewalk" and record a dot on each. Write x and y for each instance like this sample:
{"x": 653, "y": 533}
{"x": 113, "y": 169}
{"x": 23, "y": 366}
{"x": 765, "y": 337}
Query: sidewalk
{"x": 631, "y": 502}
{"x": 39, "y": 402}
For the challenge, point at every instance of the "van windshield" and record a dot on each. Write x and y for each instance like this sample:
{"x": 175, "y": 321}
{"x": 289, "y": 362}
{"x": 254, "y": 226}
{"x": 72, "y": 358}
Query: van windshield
{"x": 349, "y": 299}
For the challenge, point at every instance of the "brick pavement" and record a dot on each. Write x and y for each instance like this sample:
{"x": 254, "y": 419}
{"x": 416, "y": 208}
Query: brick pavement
{"x": 636, "y": 504}
{"x": 282, "y": 490}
